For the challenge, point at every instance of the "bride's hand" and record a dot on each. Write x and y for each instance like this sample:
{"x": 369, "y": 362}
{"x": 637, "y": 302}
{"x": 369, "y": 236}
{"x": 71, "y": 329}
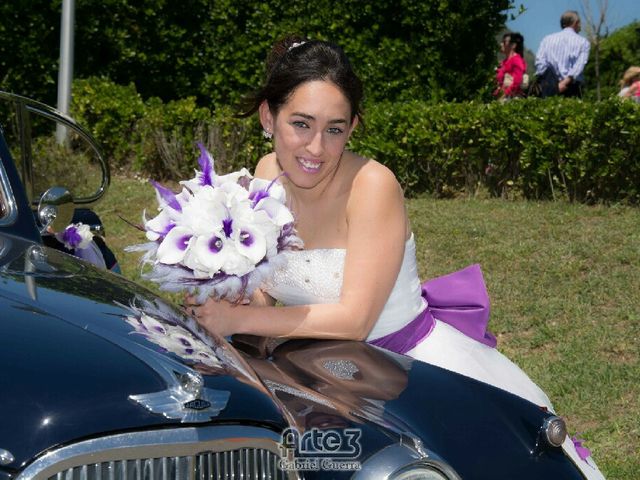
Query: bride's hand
{"x": 215, "y": 316}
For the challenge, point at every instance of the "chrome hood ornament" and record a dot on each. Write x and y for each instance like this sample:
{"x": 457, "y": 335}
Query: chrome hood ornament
{"x": 186, "y": 399}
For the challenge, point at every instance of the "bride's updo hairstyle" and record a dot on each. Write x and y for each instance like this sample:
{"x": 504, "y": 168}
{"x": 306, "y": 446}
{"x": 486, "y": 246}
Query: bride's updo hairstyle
{"x": 294, "y": 61}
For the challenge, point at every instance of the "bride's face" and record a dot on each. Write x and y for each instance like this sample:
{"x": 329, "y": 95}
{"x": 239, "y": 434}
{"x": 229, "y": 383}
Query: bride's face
{"x": 310, "y": 132}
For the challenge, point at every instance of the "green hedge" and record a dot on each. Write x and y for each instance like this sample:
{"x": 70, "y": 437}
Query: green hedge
{"x": 531, "y": 148}
{"x": 539, "y": 149}
{"x": 159, "y": 139}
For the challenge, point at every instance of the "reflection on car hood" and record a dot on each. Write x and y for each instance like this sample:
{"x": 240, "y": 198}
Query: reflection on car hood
{"x": 480, "y": 430}
{"x": 72, "y": 356}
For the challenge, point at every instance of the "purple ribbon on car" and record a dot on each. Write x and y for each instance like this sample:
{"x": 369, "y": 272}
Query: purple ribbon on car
{"x": 459, "y": 299}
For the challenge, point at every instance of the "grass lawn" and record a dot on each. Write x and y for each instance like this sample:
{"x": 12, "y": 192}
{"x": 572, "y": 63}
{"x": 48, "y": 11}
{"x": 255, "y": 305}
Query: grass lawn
{"x": 564, "y": 282}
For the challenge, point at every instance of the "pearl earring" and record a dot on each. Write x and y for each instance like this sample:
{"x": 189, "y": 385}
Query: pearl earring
{"x": 267, "y": 134}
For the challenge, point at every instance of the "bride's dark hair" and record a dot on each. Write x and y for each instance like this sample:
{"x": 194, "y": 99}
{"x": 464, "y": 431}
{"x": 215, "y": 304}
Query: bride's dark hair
{"x": 295, "y": 60}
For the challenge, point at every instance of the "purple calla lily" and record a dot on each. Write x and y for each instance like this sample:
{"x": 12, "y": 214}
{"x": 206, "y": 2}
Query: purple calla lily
{"x": 206, "y": 166}
{"x": 583, "y": 452}
{"x": 168, "y": 196}
{"x": 76, "y": 236}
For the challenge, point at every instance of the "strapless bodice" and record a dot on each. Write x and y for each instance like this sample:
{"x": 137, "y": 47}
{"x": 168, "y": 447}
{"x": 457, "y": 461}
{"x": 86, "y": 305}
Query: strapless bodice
{"x": 315, "y": 276}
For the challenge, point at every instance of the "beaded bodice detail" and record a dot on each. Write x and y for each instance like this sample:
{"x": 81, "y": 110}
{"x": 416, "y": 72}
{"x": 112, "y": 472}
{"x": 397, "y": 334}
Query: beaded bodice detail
{"x": 315, "y": 276}
{"x": 309, "y": 276}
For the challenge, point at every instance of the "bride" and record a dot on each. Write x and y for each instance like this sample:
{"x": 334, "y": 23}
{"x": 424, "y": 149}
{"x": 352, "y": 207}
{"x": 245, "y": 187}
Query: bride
{"x": 356, "y": 278}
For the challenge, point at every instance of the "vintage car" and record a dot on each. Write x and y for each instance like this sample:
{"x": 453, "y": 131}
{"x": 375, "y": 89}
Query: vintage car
{"x": 102, "y": 379}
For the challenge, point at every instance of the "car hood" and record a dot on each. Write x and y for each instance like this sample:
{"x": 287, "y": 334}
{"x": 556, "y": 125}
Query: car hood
{"x": 87, "y": 353}
{"x": 481, "y": 431}
{"x": 83, "y": 352}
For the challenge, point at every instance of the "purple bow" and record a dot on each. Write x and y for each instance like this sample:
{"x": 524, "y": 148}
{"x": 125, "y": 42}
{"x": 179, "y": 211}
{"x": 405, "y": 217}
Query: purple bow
{"x": 459, "y": 299}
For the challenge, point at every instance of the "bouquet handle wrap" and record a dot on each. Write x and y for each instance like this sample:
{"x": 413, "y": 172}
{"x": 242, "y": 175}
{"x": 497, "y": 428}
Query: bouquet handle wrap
{"x": 461, "y": 300}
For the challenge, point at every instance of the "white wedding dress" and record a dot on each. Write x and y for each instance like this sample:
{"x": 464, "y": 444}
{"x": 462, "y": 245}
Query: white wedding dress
{"x": 315, "y": 276}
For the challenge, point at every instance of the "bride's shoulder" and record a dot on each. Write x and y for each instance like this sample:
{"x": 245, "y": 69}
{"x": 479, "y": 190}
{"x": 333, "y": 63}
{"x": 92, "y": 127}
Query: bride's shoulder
{"x": 372, "y": 174}
{"x": 267, "y": 167}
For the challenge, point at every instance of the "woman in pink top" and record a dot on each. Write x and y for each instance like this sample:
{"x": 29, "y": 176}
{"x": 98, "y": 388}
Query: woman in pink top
{"x": 510, "y": 73}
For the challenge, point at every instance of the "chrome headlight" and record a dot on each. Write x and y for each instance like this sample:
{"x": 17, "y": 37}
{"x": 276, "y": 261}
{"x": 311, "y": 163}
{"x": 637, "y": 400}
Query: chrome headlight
{"x": 420, "y": 471}
{"x": 402, "y": 462}
{"x": 554, "y": 431}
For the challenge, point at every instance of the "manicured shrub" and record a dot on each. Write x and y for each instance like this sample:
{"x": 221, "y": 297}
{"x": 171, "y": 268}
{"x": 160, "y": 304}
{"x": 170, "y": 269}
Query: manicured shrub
{"x": 532, "y": 148}
{"x": 543, "y": 149}
{"x": 111, "y": 112}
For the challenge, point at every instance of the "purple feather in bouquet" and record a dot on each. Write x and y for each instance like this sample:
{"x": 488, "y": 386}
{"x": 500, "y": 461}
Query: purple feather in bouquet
{"x": 221, "y": 236}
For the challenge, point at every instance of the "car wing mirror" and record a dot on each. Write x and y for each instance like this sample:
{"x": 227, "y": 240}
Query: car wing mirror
{"x": 55, "y": 210}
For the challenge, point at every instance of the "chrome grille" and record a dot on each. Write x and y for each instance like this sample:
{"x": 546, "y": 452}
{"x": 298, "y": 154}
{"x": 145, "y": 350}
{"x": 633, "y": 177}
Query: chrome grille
{"x": 194, "y": 453}
{"x": 242, "y": 464}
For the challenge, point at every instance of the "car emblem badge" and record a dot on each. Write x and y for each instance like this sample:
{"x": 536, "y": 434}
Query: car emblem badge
{"x": 185, "y": 397}
{"x": 197, "y": 404}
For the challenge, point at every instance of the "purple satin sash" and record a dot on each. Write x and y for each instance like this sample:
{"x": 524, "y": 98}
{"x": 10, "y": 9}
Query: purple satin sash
{"x": 459, "y": 299}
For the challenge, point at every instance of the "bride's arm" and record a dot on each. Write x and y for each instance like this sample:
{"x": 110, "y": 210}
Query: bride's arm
{"x": 262, "y": 299}
{"x": 377, "y": 227}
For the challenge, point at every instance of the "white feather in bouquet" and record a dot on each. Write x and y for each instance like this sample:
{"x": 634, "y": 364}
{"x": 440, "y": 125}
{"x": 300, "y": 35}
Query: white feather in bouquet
{"x": 220, "y": 236}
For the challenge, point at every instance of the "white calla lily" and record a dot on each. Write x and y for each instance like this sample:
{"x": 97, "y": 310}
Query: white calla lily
{"x": 269, "y": 230}
{"x": 251, "y": 243}
{"x": 279, "y": 214}
{"x": 273, "y": 188}
{"x": 151, "y": 325}
{"x": 208, "y": 254}
{"x": 159, "y": 226}
{"x": 232, "y": 178}
{"x": 206, "y": 210}
{"x": 175, "y": 245}
{"x": 234, "y": 192}
{"x": 235, "y": 263}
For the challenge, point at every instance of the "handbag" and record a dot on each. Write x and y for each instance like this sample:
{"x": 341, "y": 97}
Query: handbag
{"x": 545, "y": 85}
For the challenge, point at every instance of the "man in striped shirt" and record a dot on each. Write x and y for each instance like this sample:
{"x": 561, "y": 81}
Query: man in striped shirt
{"x": 562, "y": 56}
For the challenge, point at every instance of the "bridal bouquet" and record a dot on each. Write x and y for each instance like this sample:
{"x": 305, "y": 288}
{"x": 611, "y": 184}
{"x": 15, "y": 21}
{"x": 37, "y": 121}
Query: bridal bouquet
{"x": 221, "y": 236}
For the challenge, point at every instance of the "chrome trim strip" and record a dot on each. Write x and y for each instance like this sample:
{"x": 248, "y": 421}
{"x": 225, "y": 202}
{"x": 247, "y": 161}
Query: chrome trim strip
{"x": 9, "y": 199}
{"x": 24, "y": 128}
{"x": 179, "y": 442}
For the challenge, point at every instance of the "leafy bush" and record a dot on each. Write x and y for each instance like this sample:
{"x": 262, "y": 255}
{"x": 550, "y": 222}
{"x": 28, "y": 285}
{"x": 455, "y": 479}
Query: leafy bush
{"x": 618, "y": 52}
{"x": 159, "y": 139}
{"x": 532, "y": 148}
{"x": 168, "y": 134}
{"x": 111, "y": 111}
{"x": 215, "y": 51}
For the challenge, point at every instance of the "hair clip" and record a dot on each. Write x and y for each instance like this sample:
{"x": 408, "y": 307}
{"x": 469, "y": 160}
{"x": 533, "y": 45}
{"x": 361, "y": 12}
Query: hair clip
{"x": 295, "y": 44}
